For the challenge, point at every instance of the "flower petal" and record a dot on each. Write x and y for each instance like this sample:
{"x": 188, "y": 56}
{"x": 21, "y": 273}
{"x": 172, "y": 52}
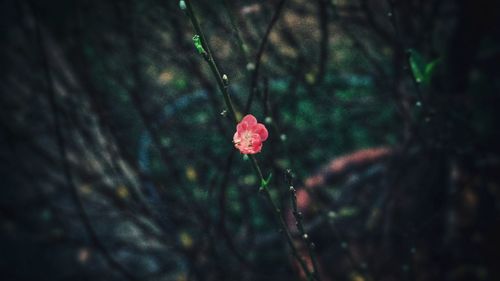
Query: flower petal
{"x": 256, "y": 148}
{"x": 249, "y": 119}
{"x": 241, "y": 127}
{"x": 236, "y": 138}
{"x": 262, "y": 131}
{"x": 256, "y": 139}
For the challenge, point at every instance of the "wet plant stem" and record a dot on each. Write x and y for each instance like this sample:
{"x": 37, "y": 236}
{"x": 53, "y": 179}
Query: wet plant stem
{"x": 207, "y": 55}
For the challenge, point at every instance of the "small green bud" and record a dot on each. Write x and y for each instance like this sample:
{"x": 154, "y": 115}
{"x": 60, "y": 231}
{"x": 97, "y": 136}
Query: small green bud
{"x": 198, "y": 45}
{"x": 182, "y": 5}
{"x": 250, "y": 66}
{"x": 225, "y": 80}
{"x": 268, "y": 120}
{"x": 283, "y": 137}
{"x": 245, "y": 48}
{"x": 332, "y": 214}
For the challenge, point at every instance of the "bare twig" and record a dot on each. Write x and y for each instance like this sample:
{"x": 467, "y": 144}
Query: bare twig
{"x": 258, "y": 57}
{"x": 300, "y": 226}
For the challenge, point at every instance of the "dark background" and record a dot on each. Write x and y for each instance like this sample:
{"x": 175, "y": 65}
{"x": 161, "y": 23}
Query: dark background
{"x": 117, "y": 164}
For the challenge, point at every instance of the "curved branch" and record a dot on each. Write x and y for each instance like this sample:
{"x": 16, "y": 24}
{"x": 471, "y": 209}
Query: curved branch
{"x": 258, "y": 58}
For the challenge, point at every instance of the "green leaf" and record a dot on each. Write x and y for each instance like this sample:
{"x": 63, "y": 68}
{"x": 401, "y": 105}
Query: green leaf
{"x": 416, "y": 63}
{"x": 429, "y": 69}
{"x": 422, "y": 71}
{"x": 265, "y": 182}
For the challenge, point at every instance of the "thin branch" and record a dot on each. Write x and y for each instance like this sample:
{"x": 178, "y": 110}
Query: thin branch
{"x": 279, "y": 217}
{"x": 302, "y": 232}
{"x": 236, "y": 32}
{"x": 211, "y": 62}
{"x": 258, "y": 57}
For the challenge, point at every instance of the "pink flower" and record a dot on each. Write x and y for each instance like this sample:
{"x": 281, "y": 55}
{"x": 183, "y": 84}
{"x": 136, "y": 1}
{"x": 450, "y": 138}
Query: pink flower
{"x": 249, "y": 135}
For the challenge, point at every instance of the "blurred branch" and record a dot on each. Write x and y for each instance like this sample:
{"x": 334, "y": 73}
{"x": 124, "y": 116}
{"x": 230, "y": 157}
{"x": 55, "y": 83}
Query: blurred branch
{"x": 258, "y": 57}
{"x": 403, "y": 49}
{"x": 236, "y": 32}
{"x": 50, "y": 91}
{"x": 324, "y": 41}
{"x": 374, "y": 25}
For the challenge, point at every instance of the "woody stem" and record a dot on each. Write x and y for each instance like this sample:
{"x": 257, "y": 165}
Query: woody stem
{"x": 264, "y": 189}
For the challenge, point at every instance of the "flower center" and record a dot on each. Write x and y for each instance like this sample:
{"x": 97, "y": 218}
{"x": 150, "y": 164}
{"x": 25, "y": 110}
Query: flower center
{"x": 247, "y": 138}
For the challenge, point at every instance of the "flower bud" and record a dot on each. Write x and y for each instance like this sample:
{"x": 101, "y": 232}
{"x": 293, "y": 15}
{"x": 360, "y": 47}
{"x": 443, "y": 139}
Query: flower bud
{"x": 182, "y": 5}
{"x": 250, "y": 66}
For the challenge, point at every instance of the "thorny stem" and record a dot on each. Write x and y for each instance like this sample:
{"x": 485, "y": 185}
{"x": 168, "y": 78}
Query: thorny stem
{"x": 264, "y": 188}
